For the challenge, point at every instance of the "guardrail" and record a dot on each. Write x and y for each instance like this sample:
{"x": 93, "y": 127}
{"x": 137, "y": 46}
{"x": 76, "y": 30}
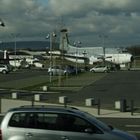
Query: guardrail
{"x": 33, "y": 98}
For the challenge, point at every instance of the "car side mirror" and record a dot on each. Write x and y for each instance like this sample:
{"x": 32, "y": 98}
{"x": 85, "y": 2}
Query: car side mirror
{"x": 89, "y": 130}
{"x": 111, "y": 127}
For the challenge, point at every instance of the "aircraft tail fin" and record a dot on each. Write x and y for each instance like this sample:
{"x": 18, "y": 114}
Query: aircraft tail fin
{"x": 64, "y": 40}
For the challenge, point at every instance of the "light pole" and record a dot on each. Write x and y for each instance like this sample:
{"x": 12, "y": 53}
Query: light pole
{"x": 51, "y": 36}
{"x": 85, "y": 61}
{"x": 15, "y": 36}
{"x": 76, "y": 44}
{"x": 103, "y": 44}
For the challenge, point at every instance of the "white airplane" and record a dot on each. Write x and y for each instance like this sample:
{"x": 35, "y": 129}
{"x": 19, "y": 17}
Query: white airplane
{"x": 91, "y": 54}
{"x": 19, "y": 61}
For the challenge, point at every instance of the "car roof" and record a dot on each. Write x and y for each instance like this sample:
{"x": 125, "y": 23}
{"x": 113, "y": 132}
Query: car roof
{"x": 58, "y": 109}
{"x": 42, "y": 108}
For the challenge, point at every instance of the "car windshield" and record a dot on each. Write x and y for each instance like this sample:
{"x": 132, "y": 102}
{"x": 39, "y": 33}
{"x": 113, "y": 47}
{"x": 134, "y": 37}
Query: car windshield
{"x": 96, "y": 122}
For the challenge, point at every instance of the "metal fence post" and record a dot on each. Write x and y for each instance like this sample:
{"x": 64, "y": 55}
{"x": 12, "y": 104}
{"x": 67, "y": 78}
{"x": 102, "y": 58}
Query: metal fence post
{"x": 32, "y": 102}
{"x": 132, "y": 107}
{"x": 99, "y": 106}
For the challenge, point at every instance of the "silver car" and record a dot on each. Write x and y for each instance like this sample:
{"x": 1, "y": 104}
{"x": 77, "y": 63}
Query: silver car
{"x": 99, "y": 69}
{"x": 4, "y": 68}
{"x": 56, "y": 70}
{"x": 56, "y": 123}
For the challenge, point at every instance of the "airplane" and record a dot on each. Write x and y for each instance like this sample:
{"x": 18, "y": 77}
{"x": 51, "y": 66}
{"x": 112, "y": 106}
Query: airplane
{"x": 4, "y": 59}
{"x": 92, "y": 55}
{"x": 19, "y": 61}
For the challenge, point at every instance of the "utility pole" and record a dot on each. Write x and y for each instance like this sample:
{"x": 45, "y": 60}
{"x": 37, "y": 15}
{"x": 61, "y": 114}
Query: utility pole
{"x": 15, "y": 36}
{"x": 76, "y": 44}
{"x": 63, "y": 33}
{"x": 103, "y": 44}
{"x": 51, "y": 36}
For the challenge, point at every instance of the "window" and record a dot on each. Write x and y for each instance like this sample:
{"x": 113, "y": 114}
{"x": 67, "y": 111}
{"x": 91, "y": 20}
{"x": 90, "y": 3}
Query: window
{"x": 46, "y": 121}
{"x": 17, "y": 120}
{"x": 68, "y": 122}
{"x": 51, "y": 121}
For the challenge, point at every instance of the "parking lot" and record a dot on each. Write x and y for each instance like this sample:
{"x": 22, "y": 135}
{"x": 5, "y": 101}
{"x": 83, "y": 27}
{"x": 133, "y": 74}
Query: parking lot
{"x": 112, "y": 86}
{"x": 23, "y": 78}
{"x": 106, "y": 86}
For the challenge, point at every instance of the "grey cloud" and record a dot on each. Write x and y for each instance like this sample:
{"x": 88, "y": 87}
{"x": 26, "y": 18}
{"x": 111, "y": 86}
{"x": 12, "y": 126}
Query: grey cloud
{"x": 65, "y": 7}
{"x": 84, "y": 18}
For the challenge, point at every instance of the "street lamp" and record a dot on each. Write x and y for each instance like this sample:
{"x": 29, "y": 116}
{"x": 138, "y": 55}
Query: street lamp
{"x": 15, "y": 36}
{"x": 103, "y": 44}
{"x": 76, "y": 44}
{"x": 51, "y": 36}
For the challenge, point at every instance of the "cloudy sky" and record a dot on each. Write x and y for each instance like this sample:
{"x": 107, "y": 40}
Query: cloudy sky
{"x": 117, "y": 22}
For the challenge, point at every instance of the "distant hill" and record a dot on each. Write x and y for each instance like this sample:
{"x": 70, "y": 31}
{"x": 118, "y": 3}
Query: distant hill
{"x": 30, "y": 45}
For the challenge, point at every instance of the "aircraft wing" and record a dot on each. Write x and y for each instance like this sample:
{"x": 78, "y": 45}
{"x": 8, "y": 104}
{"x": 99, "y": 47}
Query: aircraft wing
{"x": 71, "y": 57}
{"x": 9, "y": 59}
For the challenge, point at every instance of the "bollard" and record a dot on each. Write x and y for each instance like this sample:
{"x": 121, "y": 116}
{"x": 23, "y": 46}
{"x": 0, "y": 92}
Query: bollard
{"x": 117, "y": 105}
{"x": 14, "y": 95}
{"x": 32, "y": 102}
{"x": 37, "y": 97}
{"x": 45, "y": 88}
{"x": 132, "y": 107}
{"x": 99, "y": 106}
{"x": 123, "y": 106}
{"x": 63, "y": 100}
{"x": 90, "y": 102}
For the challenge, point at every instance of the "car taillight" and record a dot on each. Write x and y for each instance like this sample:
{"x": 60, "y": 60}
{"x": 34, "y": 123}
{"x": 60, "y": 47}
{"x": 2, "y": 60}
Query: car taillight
{"x": 0, "y": 135}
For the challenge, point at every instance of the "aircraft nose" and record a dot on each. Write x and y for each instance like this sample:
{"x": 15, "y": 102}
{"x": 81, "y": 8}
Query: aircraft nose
{"x": 132, "y": 58}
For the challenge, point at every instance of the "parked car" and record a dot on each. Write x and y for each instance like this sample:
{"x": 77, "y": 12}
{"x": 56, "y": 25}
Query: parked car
{"x": 71, "y": 70}
{"x": 4, "y": 68}
{"x": 100, "y": 69}
{"x": 24, "y": 65}
{"x": 41, "y": 123}
{"x": 38, "y": 64}
{"x": 15, "y": 63}
{"x": 34, "y": 62}
{"x": 56, "y": 70}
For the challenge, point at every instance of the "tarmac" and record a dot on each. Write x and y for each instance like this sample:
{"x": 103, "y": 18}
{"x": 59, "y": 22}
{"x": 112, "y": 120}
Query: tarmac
{"x": 92, "y": 110}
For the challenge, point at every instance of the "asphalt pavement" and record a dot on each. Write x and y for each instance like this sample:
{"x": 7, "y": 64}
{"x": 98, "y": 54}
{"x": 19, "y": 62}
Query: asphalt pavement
{"x": 108, "y": 88}
{"x": 114, "y": 86}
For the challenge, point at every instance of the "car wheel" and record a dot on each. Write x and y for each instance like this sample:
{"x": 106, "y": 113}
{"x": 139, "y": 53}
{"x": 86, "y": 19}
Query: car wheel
{"x": 4, "y": 72}
{"x": 51, "y": 73}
